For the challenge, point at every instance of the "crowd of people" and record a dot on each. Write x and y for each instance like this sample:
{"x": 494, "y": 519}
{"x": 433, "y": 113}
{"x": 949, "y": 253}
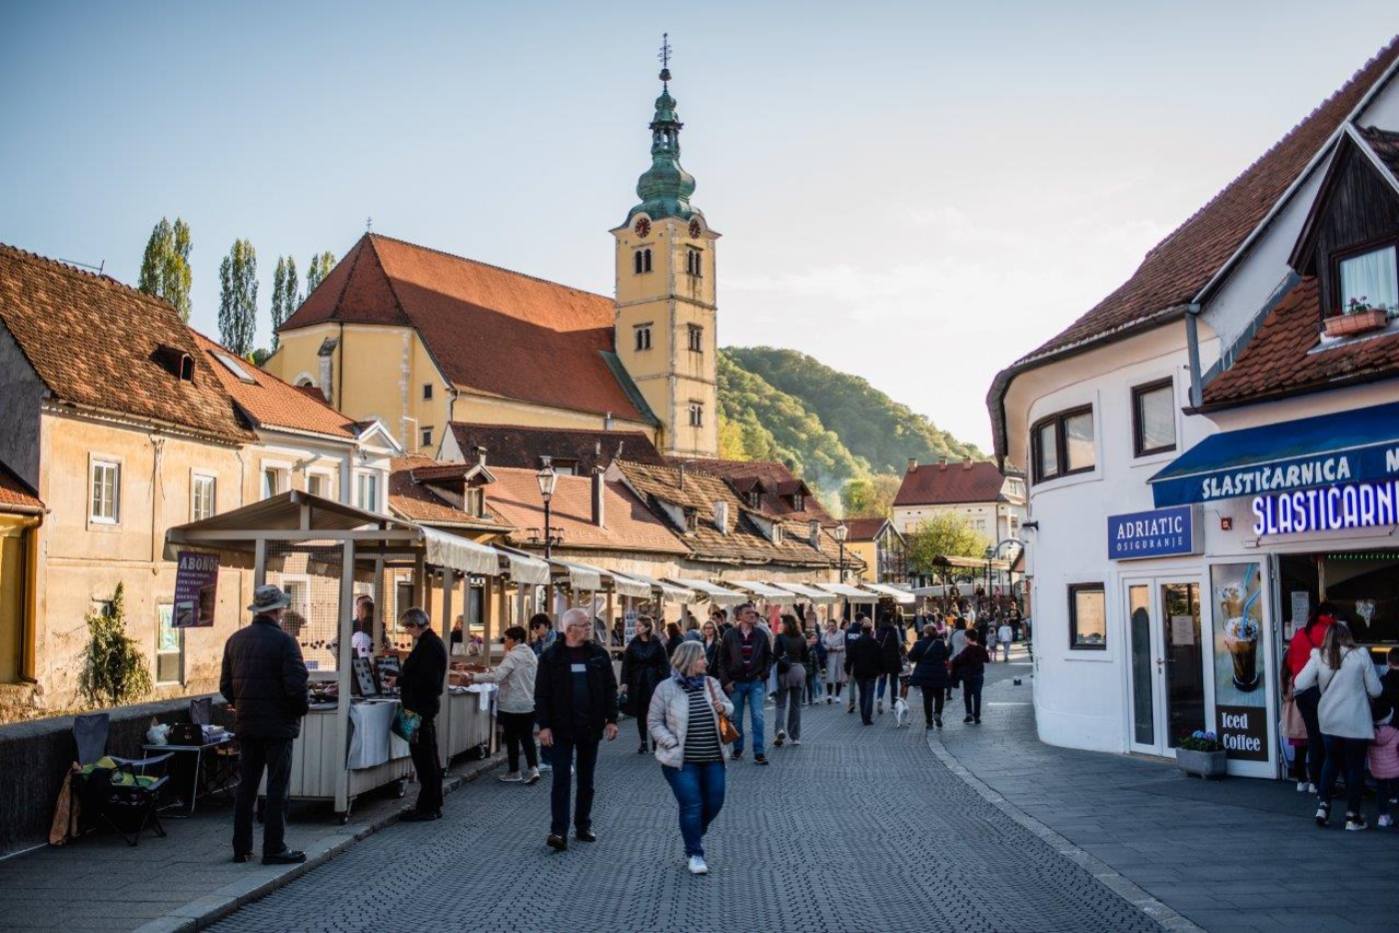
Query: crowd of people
{"x": 697, "y": 692}
{"x": 1339, "y": 717}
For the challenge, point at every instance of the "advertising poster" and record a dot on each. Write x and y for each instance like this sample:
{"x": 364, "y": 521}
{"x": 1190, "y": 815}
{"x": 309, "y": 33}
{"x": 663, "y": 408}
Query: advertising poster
{"x": 1240, "y": 696}
{"x": 196, "y": 589}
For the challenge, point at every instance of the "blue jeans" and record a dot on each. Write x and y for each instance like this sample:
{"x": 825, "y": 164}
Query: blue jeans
{"x": 752, "y": 693}
{"x": 699, "y": 789}
{"x": 561, "y": 755}
{"x": 879, "y": 686}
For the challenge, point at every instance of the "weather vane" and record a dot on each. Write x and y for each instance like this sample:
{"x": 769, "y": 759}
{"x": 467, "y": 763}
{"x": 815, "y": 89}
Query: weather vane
{"x": 368, "y": 224}
{"x": 664, "y": 56}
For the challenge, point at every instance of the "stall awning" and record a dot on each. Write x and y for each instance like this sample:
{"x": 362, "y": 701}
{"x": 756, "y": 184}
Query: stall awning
{"x": 629, "y": 586}
{"x": 893, "y": 592}
{"x": 446, "y": 550}
{"x": 522, "y": 568}
{"x": 851, "y": 593}
{"x": 666, "y": 590}
{"x": 810, "y": 593}
{"x": 1346, "y": 447}
{"x": 717, "y": 595}
{"x": 763, "y": 590}
{"x": 580, "y": 576}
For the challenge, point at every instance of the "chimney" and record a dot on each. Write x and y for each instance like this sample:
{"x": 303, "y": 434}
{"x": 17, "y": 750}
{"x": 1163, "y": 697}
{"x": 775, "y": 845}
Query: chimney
{"x": 481, "y": 456}
{"x": 815, "y": 534}
{"x": 967, "y": 463}
{"x": 943, "y": 465}
{"x": 681, "y": 468}
{"x": 326, "y": 358}
{"x": 912, "y": 464}
{"x": 607, "y": 421}
{"x": 598, "y": 490}
{"x": 721, "y": 517}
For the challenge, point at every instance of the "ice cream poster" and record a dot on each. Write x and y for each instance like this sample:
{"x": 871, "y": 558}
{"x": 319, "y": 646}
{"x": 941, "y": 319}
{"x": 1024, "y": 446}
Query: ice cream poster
{"x": 1240, "y": 693}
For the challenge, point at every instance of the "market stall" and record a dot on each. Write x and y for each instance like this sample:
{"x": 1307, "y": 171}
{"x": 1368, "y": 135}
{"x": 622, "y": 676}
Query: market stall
{"x": 901, "y": 596}
{"x": 720, "y": 596}
{"x": 346, "y": 747}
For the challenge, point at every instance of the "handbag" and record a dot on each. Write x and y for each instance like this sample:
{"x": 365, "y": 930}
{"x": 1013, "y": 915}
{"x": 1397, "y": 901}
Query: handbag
{"x": 406, "y": 724}
{"x": 728, "y": 734}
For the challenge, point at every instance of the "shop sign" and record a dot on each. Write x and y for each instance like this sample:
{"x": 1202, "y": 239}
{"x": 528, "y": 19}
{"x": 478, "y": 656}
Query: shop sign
{"x": 196, "y": 587}
{"x": 1355, "y": 505}
{"x": 1240, "y": 695}
{"x": 1169, "y": 532}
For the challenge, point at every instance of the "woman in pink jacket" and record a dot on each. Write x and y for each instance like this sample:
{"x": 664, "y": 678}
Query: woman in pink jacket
{"x": 1384, "y": 761}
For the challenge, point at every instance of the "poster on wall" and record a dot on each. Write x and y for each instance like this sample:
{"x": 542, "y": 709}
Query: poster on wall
{"x": 196, "y": 589}
{"x": 1240, "y": 697}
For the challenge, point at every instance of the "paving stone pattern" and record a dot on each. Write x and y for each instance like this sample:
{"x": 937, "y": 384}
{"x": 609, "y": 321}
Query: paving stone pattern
{"x": 857, "y": 829}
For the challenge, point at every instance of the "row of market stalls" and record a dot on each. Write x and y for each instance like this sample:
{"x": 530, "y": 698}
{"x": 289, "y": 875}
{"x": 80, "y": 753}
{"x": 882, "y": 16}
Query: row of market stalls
{"x": 329, "y": 554}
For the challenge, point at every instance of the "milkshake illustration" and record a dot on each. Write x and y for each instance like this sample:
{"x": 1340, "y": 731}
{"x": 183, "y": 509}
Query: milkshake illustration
{"x": 1241, "y": 641}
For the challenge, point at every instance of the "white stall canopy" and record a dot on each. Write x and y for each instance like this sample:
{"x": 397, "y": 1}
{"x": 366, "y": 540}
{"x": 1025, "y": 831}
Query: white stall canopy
{"x": 671, "y": 591}
{"x": 903, "y": 597}
{"x": 851, "y": 593}
{"x": 717, "y": 595}
{"x": 523, "y": 568}
{"x": 810, "y": 593}
{"x": 764, "y": 590}
{"x": 580, "y": 576}
{"x": 447, "y": 550}
{"x": 628, "y": 586}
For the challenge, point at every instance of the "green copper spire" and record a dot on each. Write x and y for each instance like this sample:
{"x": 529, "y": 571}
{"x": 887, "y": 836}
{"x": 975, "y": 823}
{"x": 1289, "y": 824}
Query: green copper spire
{"x": 665, "y": 187}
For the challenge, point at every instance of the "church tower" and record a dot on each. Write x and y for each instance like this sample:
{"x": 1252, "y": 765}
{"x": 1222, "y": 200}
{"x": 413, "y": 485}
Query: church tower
{"x": 665, "y": 323}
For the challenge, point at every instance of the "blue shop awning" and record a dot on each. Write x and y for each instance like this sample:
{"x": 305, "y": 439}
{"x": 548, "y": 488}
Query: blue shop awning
{"x": 1347, "y": 447}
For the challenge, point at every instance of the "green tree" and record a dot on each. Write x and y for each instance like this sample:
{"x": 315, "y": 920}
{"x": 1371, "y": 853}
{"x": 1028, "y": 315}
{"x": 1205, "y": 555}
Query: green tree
{"x": 944, "y": 535}
{"x": 320, "y": 267}
{"x": 238, "y": 298}
{"x": 285, "y": 295}
{"x": 165, "y": 270}
{"x": 870, "y": 496}
{"x": 114, "y": 670}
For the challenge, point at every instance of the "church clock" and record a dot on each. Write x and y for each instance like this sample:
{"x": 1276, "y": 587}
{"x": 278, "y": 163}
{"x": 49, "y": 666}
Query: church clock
{"x": 643, "y": 226}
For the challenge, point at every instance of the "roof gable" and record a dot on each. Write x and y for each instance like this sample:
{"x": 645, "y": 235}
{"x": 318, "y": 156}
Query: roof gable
{"x": 948, "y": 483}
{"x": 1357, "y": 151}
{"x": 773, "y": 481}
{"x": 268, "y": 402}
{"x": 515, "y": 445}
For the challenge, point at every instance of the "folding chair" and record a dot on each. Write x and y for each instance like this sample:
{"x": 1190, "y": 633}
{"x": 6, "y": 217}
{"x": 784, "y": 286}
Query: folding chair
{"x": 116, "y": 791}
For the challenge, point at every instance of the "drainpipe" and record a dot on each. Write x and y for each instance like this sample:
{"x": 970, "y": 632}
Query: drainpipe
{"x": 1192, "y": 340}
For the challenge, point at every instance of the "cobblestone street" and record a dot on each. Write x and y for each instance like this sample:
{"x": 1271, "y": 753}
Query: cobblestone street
{"x": 857, "y": 829}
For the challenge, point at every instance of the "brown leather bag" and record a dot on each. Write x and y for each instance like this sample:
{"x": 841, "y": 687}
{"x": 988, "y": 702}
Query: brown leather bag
{"x": 728, "y": 734}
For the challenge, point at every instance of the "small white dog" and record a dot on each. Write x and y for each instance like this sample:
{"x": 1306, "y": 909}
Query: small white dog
{"x": 900, "y": 713}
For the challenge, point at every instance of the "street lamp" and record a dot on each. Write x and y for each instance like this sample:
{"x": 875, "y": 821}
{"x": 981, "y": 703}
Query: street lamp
{"x": 990, "y": 554}
{"x": 548, "y": 479}
{"x": 841, "y": 533}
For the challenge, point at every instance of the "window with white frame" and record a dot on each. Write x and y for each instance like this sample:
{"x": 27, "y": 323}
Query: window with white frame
{"x": 274, "y": 480}
{"x": 202, "y": 496}
{"x": 169, "y": 647}
{"x": 318, "y": 484}
{"x": 105, "y": 500}
{"x": 1370, "y": 281}
{"x": 367, "y": 491}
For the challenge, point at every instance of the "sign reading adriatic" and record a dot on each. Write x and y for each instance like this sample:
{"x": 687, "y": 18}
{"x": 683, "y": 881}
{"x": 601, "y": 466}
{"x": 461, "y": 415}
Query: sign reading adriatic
{"x": 1158, "y": 533}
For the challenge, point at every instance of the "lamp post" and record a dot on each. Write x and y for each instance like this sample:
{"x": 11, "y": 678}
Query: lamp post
{"x": 841, "y": 533}
{"x": 990, "y": 554}
{"x": 548, "y": 479}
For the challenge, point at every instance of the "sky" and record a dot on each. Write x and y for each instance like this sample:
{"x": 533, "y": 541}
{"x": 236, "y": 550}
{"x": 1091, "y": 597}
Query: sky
{"x": 917, "y": 193}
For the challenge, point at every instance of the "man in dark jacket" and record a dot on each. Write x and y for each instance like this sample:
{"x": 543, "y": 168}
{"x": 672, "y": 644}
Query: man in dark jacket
{"x": 891, "y": 663}
{"x": 420, "y": 690}
{"x": 575, "y": 703}
{"x": 866, "y": 664}
{"x": 929, "y": 659}
{"x": 744, "y": 660}
{"x": 264, "y": 681}
{"x": 852, "y": 635}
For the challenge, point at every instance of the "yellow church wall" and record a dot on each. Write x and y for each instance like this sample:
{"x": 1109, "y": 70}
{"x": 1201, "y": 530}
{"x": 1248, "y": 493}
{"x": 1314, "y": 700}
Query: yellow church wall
{"x": 865, "y": 551}
{"x": 491, "y": 410}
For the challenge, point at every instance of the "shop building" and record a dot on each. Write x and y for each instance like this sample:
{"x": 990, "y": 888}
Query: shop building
{"x": 1212, "y": 449}
{"x": 991, "y": 502}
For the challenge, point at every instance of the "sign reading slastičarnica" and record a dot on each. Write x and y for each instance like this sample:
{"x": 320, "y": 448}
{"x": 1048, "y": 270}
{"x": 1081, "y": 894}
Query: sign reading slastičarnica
{"x": 1355, "y": 505}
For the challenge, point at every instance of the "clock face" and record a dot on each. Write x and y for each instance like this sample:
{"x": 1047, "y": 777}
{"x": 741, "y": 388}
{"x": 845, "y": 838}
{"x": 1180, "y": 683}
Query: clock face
{"x": 643, "y": 226}
{"x": 694, "y": 229}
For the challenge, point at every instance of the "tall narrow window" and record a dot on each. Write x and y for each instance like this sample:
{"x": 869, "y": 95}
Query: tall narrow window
{"x": 696, "y": 334}
{"x": 694, "y": 262}
{"x": 274, "y": 480}
{"x": 367, "y": 491}
{"x": 643, "y": 336}
{"x": 425, "y": 437}
{"x": 106, "y": 492}
{"x": 316, "y": 485}
{"x": 427, "y": 391}
{"x": 696, "y": 414}
{"x": 1153, "y": 418}
{"x": 202, "y": 497}
{"x": 1088, "y": 626}
{"x": 641, "y": 261}
{"x": 169, "y": 647}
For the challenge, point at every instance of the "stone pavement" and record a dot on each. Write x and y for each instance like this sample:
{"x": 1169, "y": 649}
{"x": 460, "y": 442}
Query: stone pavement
{"x": 1234, "y": 855}
{"x": 99, "y": 882}
{"x": 857, "y": 829}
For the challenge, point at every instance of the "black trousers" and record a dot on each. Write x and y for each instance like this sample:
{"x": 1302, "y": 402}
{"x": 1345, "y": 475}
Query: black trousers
{"x": 427, "y": 766}
{"x": 562, "y": 756}
{"x": 932, "y": 702}
{"x": 971, "y": 695}
{"x": 519, "y": 732}
{"x": 254, "y": 756}
{"x": 866, "y": 698}
{"x": 1315, "y": 750}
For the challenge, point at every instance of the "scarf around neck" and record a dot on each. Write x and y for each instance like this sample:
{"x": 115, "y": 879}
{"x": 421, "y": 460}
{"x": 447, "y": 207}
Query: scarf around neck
{"x": 689, "y": 683}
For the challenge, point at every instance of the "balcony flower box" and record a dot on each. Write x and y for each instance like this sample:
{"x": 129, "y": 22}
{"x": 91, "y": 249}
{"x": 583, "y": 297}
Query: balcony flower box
{"x": 1356, "y": 322}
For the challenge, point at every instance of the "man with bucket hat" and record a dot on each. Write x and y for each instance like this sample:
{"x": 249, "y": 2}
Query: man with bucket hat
{"x": 264, "y": 681}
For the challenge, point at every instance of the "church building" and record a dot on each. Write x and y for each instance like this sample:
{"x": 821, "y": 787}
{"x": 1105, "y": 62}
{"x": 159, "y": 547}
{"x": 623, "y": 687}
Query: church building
{"x": 419, "y": 339}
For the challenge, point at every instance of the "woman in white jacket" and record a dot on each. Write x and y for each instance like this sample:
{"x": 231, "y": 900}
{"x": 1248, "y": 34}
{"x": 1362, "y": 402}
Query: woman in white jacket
{"x": 1346, "y": 677}
{"x": 683, "y": 720}
{"x": 515, "y": 706}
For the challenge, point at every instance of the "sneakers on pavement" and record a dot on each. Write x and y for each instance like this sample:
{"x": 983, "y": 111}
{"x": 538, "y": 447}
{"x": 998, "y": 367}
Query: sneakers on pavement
{"x": 781, "y": 737}
{"x": 938, "y": 720}
{"x": 533, "y": 776}
{"x": 879, "y": 707}
{"x": 1323, "y": 813}
{"x": 510, "y": 777}
{"x": 1384, "y": 821}
{"x": 966, "y": 719}
{"x": 1302, "y": 787}
{"x": 545, "y": 767}
{"x": 1355, "y": 823}
{"x": 760, "y": 759}
{"x": 796, "y": 741}
{"x": 697, "y": 866}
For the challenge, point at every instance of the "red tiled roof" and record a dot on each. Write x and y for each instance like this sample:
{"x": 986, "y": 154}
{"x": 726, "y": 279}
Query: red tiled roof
{"x": 489, "y": 330}
{"x": 418, "y": 502}
{"x": 778, "y": 485}
{"x": 515, "y": 445}
{"x": 1279, "y": 361}
{"x": 1178, "y": 267}
{"x": 98, "y": 344}
{"x": 627, "y": 524}
{"x": 864, "y": 529}
{"x": 267, "y": 401}
{"x": 15, "y": 494}
{"x": 942, "y": 483}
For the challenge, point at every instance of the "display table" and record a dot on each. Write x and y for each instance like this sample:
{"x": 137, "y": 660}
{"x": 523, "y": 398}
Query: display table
{"x": 317, "y": 764}
{"x": 470, "y": 718}
{"x": 213, "y": 770}
{"x": 372, "y": 739}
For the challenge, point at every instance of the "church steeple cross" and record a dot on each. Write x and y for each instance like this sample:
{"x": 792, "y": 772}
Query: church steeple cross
{"x": 664, "y": 56}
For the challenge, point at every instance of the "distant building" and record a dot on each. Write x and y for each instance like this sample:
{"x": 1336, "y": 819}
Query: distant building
{"x": 880, "y": 546}
{"x": 992, "y": 502}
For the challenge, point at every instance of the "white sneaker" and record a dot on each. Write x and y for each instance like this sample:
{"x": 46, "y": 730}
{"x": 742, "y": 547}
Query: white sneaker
{"x": 510, "y": 777}
{"x": 1311, "y": 788}
{"x": 1384, "y": 821}
{"x": 697, "y": 866}
{"x": 1302, "y": 787}
{"x": 533, "y": 776}
{"x": 796, "y": 741}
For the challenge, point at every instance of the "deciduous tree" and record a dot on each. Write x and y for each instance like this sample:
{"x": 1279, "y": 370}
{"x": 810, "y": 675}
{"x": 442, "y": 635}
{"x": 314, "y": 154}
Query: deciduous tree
{"x": 945, "y": 535}
{"x": 870, "y": 496}
{"x": 238, "y": 298}
{"x": 165, "y": 270}
{"x": 286, "y": 296}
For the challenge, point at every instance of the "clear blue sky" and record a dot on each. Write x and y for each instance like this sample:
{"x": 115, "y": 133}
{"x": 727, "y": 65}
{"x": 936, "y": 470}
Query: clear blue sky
{"x": 916, "y": 192}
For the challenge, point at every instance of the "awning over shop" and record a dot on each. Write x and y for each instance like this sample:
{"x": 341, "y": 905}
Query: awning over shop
{"x": 893, "y": 592}
{"x": 580, "y": 576}
{"x": 629, "y": 586}
{"x": 763, "y": 590}
{"x": 445, "y": 550}
{"x": 854, "y": 594}
{"x": 671, "y": 591}
{"x": 523, "y": 568}
{"x": 718, "y": 595}
{"x": 810, "y": 593}
{"x": 1346, "y": 447}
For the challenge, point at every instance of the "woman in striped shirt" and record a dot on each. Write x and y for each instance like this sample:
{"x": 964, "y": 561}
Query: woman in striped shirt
{"x": 684, "y": 722}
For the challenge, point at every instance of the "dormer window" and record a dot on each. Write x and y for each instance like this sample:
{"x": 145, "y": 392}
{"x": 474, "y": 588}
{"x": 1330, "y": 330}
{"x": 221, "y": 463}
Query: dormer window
{"x": 755, "y": 499}
{"x": 776, "y": 533}
{"x": 798, "y": 501}
{"x": 1369, "y": 281}
{"x": 473, "y": 503}
{"x": 691, "y": 520}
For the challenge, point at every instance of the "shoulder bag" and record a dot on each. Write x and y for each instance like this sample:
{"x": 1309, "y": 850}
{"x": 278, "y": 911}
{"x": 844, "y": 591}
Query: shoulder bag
{"x": 727, "y": 733}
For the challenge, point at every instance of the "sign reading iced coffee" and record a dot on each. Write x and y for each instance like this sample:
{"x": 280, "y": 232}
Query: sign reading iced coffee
{"x": 1240, "y": 694}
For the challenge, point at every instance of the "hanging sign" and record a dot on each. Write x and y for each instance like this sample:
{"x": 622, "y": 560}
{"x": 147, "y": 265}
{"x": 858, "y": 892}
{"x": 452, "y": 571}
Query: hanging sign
{"x": 1169, "y": 532}
{"x": 196, "y": 586}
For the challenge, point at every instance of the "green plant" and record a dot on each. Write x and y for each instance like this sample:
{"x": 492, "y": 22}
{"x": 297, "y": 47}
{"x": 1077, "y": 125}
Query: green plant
{"x": 114, "y": 670}
{"x": 1200, "y": 741}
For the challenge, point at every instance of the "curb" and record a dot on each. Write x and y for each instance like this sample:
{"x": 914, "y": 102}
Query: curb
{"x": 1168, "y": 918}
{"x": 208, "y": 910}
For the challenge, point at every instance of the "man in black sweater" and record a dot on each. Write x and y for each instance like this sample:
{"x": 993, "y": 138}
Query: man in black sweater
{"x": 264, "y": 681}
{"x": 420, "y": 690}
{"x": 866, "y": 664}
{"x": 575, "y": 703}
